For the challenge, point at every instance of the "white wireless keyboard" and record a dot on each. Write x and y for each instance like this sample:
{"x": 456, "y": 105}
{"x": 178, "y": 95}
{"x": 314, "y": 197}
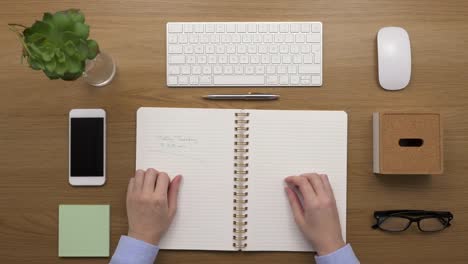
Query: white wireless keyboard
{"x": 244, "y": 54}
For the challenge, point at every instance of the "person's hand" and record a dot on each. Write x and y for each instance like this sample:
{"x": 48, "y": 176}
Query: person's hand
{"x": 316, "y": 216}
{"x": 151, "y": 204}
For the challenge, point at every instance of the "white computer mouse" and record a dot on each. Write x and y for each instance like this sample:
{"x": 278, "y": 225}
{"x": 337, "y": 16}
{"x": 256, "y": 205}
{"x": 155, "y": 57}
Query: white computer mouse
{"x": 394, "y": 54}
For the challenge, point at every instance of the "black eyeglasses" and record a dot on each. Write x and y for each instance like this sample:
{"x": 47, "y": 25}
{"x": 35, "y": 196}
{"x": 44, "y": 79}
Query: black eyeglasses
{"x": 400, "y": 220}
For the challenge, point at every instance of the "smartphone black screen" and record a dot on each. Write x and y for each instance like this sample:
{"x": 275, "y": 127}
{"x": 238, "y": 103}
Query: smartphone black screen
{"x": 87, "y": 147}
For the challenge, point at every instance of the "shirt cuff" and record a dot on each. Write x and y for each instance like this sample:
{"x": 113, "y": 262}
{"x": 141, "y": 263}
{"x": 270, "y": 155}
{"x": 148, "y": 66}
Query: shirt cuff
{"x": 344, "y": 255}
{"x": 134, "y": 251}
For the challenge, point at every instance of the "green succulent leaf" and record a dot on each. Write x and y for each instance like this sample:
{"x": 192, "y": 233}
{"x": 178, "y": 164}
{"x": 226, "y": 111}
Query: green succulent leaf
{"x": 76, "y": 15}
{"x": 82, "y": 50}
{"x": 41, "y": 27}
{"x": 58, "y": 44}
{"x": 73, "y": 66}
{"x": 48, "y": 18}
{"x": 81, "y": 30}
{"x": 62, "y": 21}
{"x": 35, "y": 64}
{"x": 36, "y": 37}
{"x": 60, "y": 56}
{"x": 93, "y": 49}
{"x": 51, "y": 65}
{"x": 70, "y": 48}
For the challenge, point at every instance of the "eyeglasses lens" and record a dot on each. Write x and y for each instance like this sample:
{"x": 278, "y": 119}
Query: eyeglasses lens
{"x": 394, "y": 224}
{"x": 432, "y": 224}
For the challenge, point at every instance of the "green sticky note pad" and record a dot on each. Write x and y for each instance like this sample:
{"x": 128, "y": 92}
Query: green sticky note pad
{"x": 84, "y": 230}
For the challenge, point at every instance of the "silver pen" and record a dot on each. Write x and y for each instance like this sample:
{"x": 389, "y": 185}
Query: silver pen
{"x": 249, "y": 96}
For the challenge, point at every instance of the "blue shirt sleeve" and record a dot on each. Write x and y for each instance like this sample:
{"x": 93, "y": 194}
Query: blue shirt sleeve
{"x": 344, "y": 255}
{"x": 134, "y": 251}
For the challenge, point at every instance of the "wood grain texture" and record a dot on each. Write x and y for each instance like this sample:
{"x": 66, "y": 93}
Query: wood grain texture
{"x": 34, "y": 112}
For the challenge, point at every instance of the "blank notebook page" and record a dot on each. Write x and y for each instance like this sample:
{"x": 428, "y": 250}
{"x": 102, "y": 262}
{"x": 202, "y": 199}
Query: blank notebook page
{"x": 197, "y": 143}
{"x": 284, "y": 143}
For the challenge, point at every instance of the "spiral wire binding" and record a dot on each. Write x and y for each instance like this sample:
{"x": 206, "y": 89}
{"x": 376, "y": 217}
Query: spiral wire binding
{"x": 241, "y": 186}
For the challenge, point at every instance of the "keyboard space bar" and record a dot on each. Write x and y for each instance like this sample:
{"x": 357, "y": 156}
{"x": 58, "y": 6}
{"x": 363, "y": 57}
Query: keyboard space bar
{"x": 239, "y": 80}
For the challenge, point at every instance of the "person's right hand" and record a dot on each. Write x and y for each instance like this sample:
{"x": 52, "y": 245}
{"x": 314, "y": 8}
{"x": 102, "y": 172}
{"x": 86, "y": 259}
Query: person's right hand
{"x": 317, "y": 215}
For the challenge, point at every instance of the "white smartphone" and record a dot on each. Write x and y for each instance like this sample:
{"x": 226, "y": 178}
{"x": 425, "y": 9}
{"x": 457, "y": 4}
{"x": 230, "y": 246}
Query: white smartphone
{"x": 87, "y": 147}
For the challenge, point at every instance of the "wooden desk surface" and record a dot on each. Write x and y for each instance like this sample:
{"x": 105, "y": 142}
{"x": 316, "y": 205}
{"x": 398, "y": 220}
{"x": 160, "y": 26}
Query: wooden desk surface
{"x": 34, "y": 117}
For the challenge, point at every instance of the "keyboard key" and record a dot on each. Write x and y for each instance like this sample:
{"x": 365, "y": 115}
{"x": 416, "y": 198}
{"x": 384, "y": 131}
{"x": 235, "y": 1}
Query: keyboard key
{"x": 198, "y": 49}
{"x": 193, "y": 38}
{"x": 284, "y": 28}
{"x": 175, "y": 28}
{"x": 284, "y": 79}
{"x": 274, "y": 28}
{"x": 263, "y": 28}
{"x": 217, "y": 69}
{"x": 183, "y": 79}
{"x": 196, "y": 69}
{"x": 209, "y": 49}
{"x": 209, "y": 28}
{"x": 286, "y": 59}
{"x": 233, "y": 59}
{"x": 292, "y": 69}
{"x": 305, "y": 48}
{"x": 252, "y": 28}
{"x": 268, "y": 38}
{"x": 174, "y": 70}
{"x": 249, "y": 69}
{"x": 313, "y": 37}
{"x": 308, "y": 59}
{"x": 316, "y": 27}
{"x": 236, "y": 38}
{"x": 252, "y": 48}
{"x": 187, "y": 28}
{"x": 228, "y": 69}
{"x": 238, "y": 69}
{"x": 177, "y": 59}
{"x": 239, "y": 80}
{"x": 204, "y": 38}
{"x": 231, "y": 28}
{"x": 183, "y": 39}
{"x": 271, "y": 69}
{"x": 188, "y": 49}
{"x": 244, "y": 59}
{"x": 300, "y": 38}
{"x": 172, "y": 80}
{"x": 316, "y": 79}
{"x": 204, "y": 79}
{"x": 257, "y": 38}
{"x": 294, "y": 79}
{"x": 199, "y": 28}
{"x": 297, "y": 59}
{"x": 305, "y": 28}
{"x": 265, "y": 59}
{"x": 201, "y": 59}
{"x": 275, "y": 59}
{"x": 219, "y": 28}
{"x": 295, "y": 28}
{"x": 222, "y": 59}
{"x": 191, "y": 59}
{"x": 206, "y": 69}
{"x": 282, "y": 69}
{"x": 193, "y": 79}
{"x": 272, "y": 79}
{"x": 255, "y": 59}
{"x": 230, "y": 49}
{"x": 175, "y": 49}
{"x": 259, "y": 69}
{"x": 309, "y": 68}
{"x": 241, "y": 28}
{"x": 283, "y": 48}
{"x": 288, "y": 38}
{"x": 185, "y": 69}
{"x": 241, "y": 49}
{"x": 172, "y": 38}
{"x": 318, "y": 58}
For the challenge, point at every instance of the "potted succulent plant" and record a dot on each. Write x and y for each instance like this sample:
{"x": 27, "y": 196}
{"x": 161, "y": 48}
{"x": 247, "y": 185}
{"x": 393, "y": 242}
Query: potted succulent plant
{"x": 59, "y": 45}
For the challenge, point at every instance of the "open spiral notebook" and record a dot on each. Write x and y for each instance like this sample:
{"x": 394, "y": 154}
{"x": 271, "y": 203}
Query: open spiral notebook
{"x": 234, "y": 163}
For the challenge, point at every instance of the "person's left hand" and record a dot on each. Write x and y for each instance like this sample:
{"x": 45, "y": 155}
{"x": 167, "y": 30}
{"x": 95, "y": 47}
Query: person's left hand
{"x": 151, "y": 204}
